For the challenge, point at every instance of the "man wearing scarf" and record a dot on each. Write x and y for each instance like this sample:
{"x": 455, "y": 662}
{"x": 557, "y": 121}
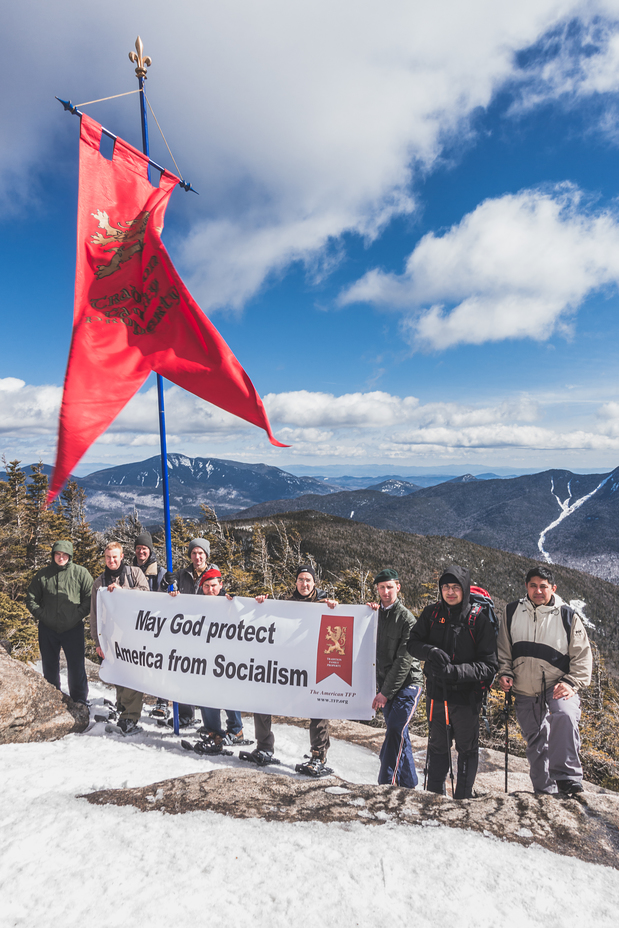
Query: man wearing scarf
{"x": 118, "y": 573}
{"x": 146, "y": 560}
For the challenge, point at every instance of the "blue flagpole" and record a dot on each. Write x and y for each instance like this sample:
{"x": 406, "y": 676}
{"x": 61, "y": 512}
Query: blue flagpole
{"x": 142, "y": 64}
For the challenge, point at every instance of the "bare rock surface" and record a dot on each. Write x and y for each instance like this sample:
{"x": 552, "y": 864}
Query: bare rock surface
{"x": 491, "y": 774}
{"x": 588, "y": 830}
{"x": 33, "y": 710}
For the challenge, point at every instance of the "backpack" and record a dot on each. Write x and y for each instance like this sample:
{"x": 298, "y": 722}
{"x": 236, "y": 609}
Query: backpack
{"x": 481, "y": 599}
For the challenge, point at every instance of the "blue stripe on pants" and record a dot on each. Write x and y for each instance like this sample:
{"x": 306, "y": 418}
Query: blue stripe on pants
{"x": 397, "y": 765}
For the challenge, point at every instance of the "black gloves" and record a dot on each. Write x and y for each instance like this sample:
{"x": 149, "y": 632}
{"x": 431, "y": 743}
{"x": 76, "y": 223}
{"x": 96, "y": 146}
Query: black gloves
{"x": 438, "y": 660}
{"x": 168, "y": 578}
{"x": 441, "y": 666}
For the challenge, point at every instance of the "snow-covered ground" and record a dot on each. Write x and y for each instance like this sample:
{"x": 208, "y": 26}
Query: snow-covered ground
{"x": 64, "y": 862}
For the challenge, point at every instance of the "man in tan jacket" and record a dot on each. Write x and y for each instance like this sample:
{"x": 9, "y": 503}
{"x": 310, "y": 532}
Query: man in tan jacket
{"x": 119, "y": 574}
{"x": 545, "y": 658}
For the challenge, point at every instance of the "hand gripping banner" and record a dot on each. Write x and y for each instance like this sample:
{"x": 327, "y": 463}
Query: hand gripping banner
{"x": 132, "y": 313}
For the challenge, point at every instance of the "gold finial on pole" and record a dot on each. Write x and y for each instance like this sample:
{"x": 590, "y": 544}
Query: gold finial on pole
{"x": 139, "y": 59}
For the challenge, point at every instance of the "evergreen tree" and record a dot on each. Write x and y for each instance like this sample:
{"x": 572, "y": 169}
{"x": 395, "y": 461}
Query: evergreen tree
{"x": 13, "y": 570}
{"x": 39, "y": 522}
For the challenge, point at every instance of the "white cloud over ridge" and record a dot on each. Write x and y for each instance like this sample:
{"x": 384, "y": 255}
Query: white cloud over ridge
{"x": 296, "y": 122}
{"x": 321, "y": 426}
{"x": 516, "y": 267}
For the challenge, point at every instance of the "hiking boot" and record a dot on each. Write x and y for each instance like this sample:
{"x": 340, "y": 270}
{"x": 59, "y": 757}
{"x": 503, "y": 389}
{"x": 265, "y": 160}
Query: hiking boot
{"x": 129, "y": 727}
{"x": 185, "y": 721}
{"x": 314, "y": 767}
{"x": 232, "y": 739}
{"x": 261, "y": 758}
{"x": 569, "y": 788}
{"x": 160, "y": 710}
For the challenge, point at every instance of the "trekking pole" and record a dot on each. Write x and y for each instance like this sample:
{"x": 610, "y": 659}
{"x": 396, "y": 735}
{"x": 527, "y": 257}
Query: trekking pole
{"x": 448, "y": 731}
{"x": 506, "y": 710}
{"x": 425, "y": 772}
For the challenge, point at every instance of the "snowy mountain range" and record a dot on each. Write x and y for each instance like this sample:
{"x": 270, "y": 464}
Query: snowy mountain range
{"x": 566, "y": 518}
{"x": 225, "y": 486}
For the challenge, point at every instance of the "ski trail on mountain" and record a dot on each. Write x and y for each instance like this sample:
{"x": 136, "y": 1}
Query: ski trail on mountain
{"x": 566, "y": 510}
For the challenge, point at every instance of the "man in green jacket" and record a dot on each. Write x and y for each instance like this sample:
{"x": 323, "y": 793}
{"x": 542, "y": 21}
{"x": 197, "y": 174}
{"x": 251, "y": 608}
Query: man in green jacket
{"x": 59, "y": 599}
{"x": 398, "y": 680}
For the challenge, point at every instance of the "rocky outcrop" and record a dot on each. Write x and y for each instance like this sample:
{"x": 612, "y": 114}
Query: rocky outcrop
{"x": 588, "y": 829}
{"x": 33, "y": 710}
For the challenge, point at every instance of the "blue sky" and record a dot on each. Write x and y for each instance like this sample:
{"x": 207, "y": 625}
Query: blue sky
{"x": 407, "y": 228}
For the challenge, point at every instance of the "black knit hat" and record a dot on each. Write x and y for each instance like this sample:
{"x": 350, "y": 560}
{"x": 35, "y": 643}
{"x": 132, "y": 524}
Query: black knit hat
{"x": 306, "y": 569}
{"x": 146, "y": 539}
{"x": 387, "y": 574}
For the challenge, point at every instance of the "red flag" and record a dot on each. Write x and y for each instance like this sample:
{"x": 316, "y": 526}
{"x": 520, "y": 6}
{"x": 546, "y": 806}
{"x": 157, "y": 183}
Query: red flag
{"x": 133, "y": 314}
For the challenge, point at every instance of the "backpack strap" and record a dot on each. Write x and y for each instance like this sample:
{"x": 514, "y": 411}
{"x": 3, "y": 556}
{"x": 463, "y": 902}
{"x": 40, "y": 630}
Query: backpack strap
{"x": 472, "y": 616}
{"x": 435, "y": 612}
{"x": 130, "y": 577}
{"x": 567, "y": 617}
{"x": 509, "y": 615}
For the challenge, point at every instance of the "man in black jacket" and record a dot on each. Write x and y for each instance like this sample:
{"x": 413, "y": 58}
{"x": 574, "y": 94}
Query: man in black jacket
{"x": 146, "y": 559}
{"x": 457, "y": 641}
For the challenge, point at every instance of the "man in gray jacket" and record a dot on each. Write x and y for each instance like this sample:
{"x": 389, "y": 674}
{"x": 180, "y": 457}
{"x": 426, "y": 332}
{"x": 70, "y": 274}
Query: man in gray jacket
{"x": 545, "y": 658}
{"x": 59, "y": 599}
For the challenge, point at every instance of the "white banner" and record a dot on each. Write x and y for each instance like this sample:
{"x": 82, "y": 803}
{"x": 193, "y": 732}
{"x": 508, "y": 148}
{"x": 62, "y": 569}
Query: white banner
{"x": 278, "y": 657}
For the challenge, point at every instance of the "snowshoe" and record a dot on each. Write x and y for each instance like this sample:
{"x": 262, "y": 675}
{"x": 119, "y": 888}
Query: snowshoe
{"x": 160, "y": 710}
{"x": 126, "y": 727}
{"x": 206, "y": 747}
{"x": 183, "y": 722}
{"x": 261, "y": 758}
{"x": 314, "y": 767}
{"x": 112, "y": 714}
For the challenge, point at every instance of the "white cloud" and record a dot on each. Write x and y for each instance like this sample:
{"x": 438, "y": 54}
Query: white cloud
{"x": 574, "y": 60}
{"x": 362, "y": 410}
{"x": 516, "y": 267}
{"x": 28, "y": 408}
{"x": 323, "y": 427}
{"x": 295, "y": 121}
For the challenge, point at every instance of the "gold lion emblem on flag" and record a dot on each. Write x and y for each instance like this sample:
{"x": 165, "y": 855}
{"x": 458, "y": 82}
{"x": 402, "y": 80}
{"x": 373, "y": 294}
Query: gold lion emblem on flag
{"x": 123, "y": 242}
{"x": 337, "y": 636}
